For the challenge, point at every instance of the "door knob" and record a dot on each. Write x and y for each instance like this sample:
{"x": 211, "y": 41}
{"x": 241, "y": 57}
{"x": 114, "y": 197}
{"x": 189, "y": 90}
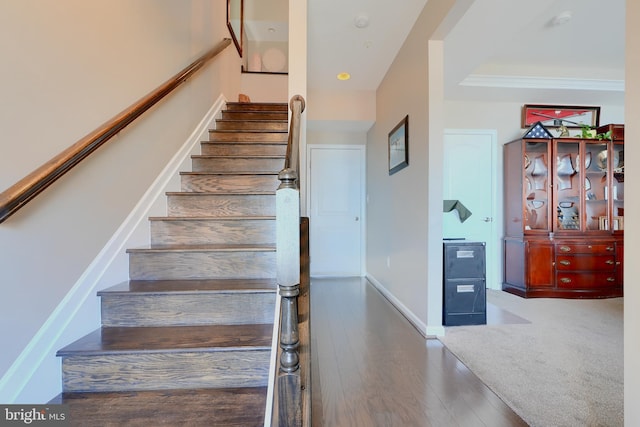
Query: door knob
{"x": 357, "y": 218}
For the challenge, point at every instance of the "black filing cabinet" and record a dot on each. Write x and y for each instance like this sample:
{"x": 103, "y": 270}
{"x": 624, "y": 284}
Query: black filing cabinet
{"x": 464, "y": 275}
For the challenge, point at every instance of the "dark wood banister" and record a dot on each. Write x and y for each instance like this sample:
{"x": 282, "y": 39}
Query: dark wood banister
{"x": 292, "y": 402}
{"x": 292, "y": 159}
{"x": 19, "y": 194}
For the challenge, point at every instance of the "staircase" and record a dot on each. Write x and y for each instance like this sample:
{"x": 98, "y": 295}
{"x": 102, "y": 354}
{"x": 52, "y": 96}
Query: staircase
{"x": 187, "y": 340}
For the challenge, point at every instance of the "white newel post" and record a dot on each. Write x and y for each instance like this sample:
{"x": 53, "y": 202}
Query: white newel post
{"x": 288, "y": 265}
{"x": 288, "y": 279}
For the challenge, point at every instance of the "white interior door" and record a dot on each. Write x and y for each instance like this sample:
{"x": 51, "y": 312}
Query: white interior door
{"x": 470, "y": 177}
{"x": 336, "y": 197}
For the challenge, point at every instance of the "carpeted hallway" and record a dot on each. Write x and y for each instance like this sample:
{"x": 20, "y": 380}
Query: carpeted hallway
{"x": 556, "y": 362}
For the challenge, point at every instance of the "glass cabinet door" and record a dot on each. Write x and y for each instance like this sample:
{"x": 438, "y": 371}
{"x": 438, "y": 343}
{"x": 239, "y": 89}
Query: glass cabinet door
{"x": 617, "y": 187}
{"x": 596, "y": 186}
{"x": 536, "y": 186}
{"x": 568, "y": 187}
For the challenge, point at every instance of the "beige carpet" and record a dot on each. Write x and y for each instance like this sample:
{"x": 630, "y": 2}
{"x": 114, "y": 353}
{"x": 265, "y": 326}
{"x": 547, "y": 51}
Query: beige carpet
{"x": 556, "y": 362}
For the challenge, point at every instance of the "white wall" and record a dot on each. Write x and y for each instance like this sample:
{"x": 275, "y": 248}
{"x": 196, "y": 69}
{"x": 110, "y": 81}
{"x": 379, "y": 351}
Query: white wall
{"x": 264, "y": 87}
{"x": 69, "y": 66}
{"x": 346, "y": 110}
{"x": 631, "y": 224}
{"x": 398, "y": 211}
{"x": 336, "y": 137}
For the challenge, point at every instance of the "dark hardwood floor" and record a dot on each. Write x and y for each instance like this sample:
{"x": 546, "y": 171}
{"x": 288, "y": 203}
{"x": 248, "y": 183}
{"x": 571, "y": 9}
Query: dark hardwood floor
{"x": 370, "y": 367}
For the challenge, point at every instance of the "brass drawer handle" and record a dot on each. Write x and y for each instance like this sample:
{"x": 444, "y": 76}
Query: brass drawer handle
{"x": 565, "y": 262}
{"x": 609, "y": 261}
{"x": 611, "y": 279}
{"x": 565, "y": 280}
{"x": 565, "y": 248}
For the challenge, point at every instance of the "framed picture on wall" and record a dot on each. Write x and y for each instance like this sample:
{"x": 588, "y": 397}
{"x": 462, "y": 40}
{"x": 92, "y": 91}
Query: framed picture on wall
{"x": 399, "y": 146}
{"x": 570, "y": 116}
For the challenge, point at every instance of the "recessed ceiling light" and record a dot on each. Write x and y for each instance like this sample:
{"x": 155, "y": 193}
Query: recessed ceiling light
{"x": 361, "y": 21}
{"x": 343, "y": 76}
{"x": 562, "y": 18}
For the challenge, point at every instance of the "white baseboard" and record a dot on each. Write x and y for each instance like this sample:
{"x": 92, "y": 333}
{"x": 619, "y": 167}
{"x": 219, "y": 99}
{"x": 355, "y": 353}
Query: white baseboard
{"x": 408, "y": 314}
{"x": 426, "y": 331}
{"x": 435, "y": 331}
{"x": 29, "y": 379}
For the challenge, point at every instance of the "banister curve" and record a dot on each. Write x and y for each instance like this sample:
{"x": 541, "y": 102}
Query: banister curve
{"x": 19, "y": 194}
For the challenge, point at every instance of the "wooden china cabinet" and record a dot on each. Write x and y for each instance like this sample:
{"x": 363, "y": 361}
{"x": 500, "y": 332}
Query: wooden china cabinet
{"x": 564, "y": 216}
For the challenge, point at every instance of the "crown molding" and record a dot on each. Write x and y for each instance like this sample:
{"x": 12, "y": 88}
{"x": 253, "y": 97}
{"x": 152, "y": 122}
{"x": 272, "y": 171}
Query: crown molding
{"x": 522, "y": 82}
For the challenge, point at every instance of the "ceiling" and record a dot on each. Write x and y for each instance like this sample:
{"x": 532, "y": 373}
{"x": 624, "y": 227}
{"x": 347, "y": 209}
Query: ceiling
{"x": 518, "y": 54}
{"x": 502, "y": 50}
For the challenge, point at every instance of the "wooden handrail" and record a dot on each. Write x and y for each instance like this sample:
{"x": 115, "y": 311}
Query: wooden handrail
{"x": 19, "y": 194}
{"x": 292, "y": 159}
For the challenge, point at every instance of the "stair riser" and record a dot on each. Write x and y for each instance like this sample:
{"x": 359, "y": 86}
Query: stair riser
{"x": 261, "y": 125}
{"x": 162, "y": 371}
{"x": 242, "y": 164}
{"x": 190, "y": 265}
{"x": 232, "y": 183}
{"x": 213, "y": 149}
{"x": 204, "y": 308}
{"x": 254, "y": 115}
{"x": 188, "y": 204}
{"x": 214, "y": 231}
{"x": 252, "y": 137}
{"x": 255, "y": 106}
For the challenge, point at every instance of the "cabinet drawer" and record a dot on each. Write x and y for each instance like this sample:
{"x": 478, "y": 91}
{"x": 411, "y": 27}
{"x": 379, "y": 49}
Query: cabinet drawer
{"x": 582, "y": 248}
{"x": 585, "y": 280}
{"x": 464, "y": 260}
{"x": 586, "y": 262}
{"x": 465, "y": 296}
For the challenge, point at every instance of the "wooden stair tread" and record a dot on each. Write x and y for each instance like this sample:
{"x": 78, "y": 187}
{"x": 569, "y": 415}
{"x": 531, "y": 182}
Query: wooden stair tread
{"x": 210, "y": 218}
{"x": 258, "y": 103}
{"x": 111, "y": 340}
{"x": 253, "y": 120}
{"x": 220, "y": 193}
{"x": 190, "y": 286}
{"x": 235, "y": 156}
{"x": 278, "y": 106}
{"x": 259, "y": 142}
{"x": 256, "y": 112}
{"x": 230, "y": 173}
{"x": 206, "y": 248}
{"x": 193, "y": 407}
{"x": 252, "y": 131}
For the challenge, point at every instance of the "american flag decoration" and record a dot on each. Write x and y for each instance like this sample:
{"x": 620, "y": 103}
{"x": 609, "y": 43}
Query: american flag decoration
{"x": 537, "y": 130}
